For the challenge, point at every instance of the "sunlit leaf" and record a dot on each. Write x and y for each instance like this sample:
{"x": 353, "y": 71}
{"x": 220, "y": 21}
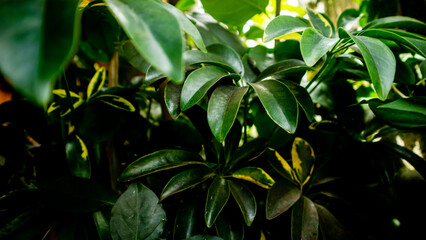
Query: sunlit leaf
{"x": 284, "y": 66}
{"x": 217, "y": 197}
{"x": 255, "y": 175}
{"x": 321, "y": 23}
{"x": 283, "y": 25}
{"x": 229, "y": 55}
{"x": 314, "y": 46}
{"x": 196, "y": 57}
{"x": 349, "y": 19}
{"x": 403, "y": 22}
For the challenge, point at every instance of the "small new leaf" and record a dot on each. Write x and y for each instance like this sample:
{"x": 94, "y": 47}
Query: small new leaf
{"x": 98, "y": 80}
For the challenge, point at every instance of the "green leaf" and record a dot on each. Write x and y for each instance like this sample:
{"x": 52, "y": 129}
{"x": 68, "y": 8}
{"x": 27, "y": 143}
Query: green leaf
{"x": 172, "y": 95}
{"x": 230, "y": 226}
{"x": 249, "y": 151}
{"x": 152, "y": 75}
{"x": 137, "y": 215}
{"x": 288, "y": 173}
{"x": 234, "y": 12}
{"x": 217, "y": 197}
{"x": 255, "y": 175}
{"x": 186, "y": 25}
{"x": 284, "y": 66}
{"x": 313, "y": 46}
{"x": 155, "y": 32}
{"x": 380, "y": 63}
{"x": 223, "y": 108}
{"x": 189, "y": 219}
{"x": 280, "y": 198}
{"x": 63, "y": 105}
{"x": 321, "y": 23}
{"x": 117, "y": 102}
{"x": 159, "y": 161}
{"x": 303, "y": 158}
{"x": 185, "y": 180}
{"x": 98, "y": 80}
{"x": 192, "y": 57}
{"x": 184, "y": 5}
{"x": 304, "y": 220}
{"x": 102, "y": 225}
{"x": 279, "y": 103}
{"x": 198, "y": 83}
{"x": 289, "y": 49}
{"x": 245, "y": 200}
{"x": 402, "y": 22}
{"x": 302, "y": 97}
{"x": 204, "y": 237}
{"x": 36, "y": 41}
{"x": 230, "y": 56}
{"x": 78, "y": 157}
{"x": 283, "y": 25}
{"x": 331, "y": 228}
{"x": 349, "y": 19}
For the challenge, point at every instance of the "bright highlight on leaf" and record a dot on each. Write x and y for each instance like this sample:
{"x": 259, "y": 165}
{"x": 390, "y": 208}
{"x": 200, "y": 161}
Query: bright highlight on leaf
{"x": 97, "y": 82}
{"x": 255, "y": 175}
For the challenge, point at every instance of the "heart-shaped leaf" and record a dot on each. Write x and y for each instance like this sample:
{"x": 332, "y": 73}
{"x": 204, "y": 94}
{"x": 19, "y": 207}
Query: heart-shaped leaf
{"x": 217, "y": 197}
{"x": 255, "y": 175}
{"x": 313, "y": 46}
{"x": 137, "y": 215}
{"x": 283, "y": 25}
{"x": 304, "y": 220}
{"x": 245, "y": 200}
{"x": 282, "y": 195}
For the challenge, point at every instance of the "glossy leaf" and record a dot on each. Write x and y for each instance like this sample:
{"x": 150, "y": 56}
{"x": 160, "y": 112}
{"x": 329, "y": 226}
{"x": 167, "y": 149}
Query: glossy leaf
{"x": 304, "y": 220}
{"x": 153, "y": 75}
{"x": 196, "y": 57}
{"x": 198, "y": 83}
{"x": 185, "y": 180}
{"x": 186, "y": 25}
{"x": 398, "y": 22}
{"x": 289, "y": 49}
{"x": 204, "y": 237}
{"x": 230, "y": 226}
{"x": 303, "y": 98}
{"x": 96, "y": 83}
{"x": 78, "y": 157}
{"x": 102, "y": 225}
{"x": 172, "y": 94}
{"x": 321, "y": 23}
{"x": 36, "y": 41}
{"x": 282, "y": 195}
{"x": 279, "y": 103}
{"x": 189, "y": 219}
{"x": 303, "y": 158}
{"x": 229, "y": 55}
{"x": 288, "y": 172}
{"x": 380, "y": 63}
{"x": 331, "y": 228}
{"x": 245, "y": 200}
{"x": 159, "y": 161}
{"x": 223, "y": 108}
{"x": 349, "y": 19}
{"x": 283, "y": 25}
{"x": 314, "y": 46}
{"x": 284, "y": 66}
{"x": 255, "y": 175}
{"x": 217, "y": 197}
{"x": 249, "y": 151}
{"x": 117, "y": 102}
{"x": 234, "y": 12}
{"x": 155, "y": 32}
{"x": 137, "y": 215}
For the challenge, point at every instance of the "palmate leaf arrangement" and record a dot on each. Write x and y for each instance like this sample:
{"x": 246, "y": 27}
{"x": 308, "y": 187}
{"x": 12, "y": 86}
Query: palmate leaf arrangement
{"x": 218, "y": 87}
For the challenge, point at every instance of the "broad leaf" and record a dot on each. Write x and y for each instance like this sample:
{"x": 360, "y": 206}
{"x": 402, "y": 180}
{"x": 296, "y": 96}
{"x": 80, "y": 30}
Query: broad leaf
{"x": 304, "y": 220}
{"x": 97, "y": 82}
{"x": 230, "y": 226}
{"x": 155, "y": 32}
{"x": 152, "y": 75}
{"x": 402, "y": 22}
{"x": 380, "y": 63}
{"x": 172, "y": 95}
{"x": 283, "y": 25}
{"x": 321, "y": 23}
{"x": 196, "y": 57}
{"x": 331, "y": 228}
{"x": 234, "y": 12}
{"x": 255, "y": 175}
{"x": 278, "y": 160}
{"x": 284, "y": 66}
{"x": 204, "y": 237}
{"x": 313, "y": 45}
{"x": 223, "y": 108}
{"x": 78, "y": 157}
{"x": 289, "y": 49}
{"x": 303, "y": 158}
{"x": 349, "y": 19}
{"x": 217, "y": 197}
{"x": 186, "y": 179}
{"x": 303, "y": 98}
{"x": 36, "y": 41}
{"x": 137, "y": 215}
{"x": 259, "y": 55}
{"x": 159, "y": 161}
{"x": 117, "y": 102}
{"x": 229, "y": 55}
{"x": 63, "y": 104}
{"x": 189, "y": 217}
{"x": 249, "y": 151}
{"x": 281, "y": 197}
{"x": 279, "y": 103}
{"x": 102, "y": 225}
{"x": 245, "y": 200}
{"x": 198, "y": 83}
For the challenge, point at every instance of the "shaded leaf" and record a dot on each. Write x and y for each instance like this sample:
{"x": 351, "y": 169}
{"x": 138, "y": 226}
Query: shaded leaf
{"x": 304, "y": 220}
{"x": 117, "y": 102}
{"x": 314, "y": 46}
{"x": 282, "y": 195}
{"x": 78, "y": 157}
{"x": 229, "y": 55}
{"x": 217, "y": 197}
{"x": 102, "y": 225}
{"x": 284, "y": 66}
{"x": 172, "y": 96}
{"x": 63, "y": 105}
{"x": 303, "y": 158}
{"x": 331, "y": 228}
{"x": 229, "y": 226}
{"x": 283, "y": 25}
{"x": 196, "y": 57}
{"x": 152, "y": 75}
{"x": 321, "y": 23}
{"x": 223, "y": 108}
{"x": 249, "y": 151}
{"x": 289, "y": 49}
{"x": 159, "y": 161}
{"x": 137, "y": 215}
{"x": 245, "y": 200}
{"x": 204, "y": 237}
{"x": 96, "y": 83}
{"x": 189, "y": 219}
{"x": 288, "y": 172}
{"x": 255, "y": 175}
{"x": 303, "y": 98}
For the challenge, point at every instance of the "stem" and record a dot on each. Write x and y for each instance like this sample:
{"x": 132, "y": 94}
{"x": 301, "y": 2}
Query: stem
{"x": 245, "y": 118}
{"x": 398, "y": 92}
{"x": 67, "y": 91}
{"x": 277, "y": 13}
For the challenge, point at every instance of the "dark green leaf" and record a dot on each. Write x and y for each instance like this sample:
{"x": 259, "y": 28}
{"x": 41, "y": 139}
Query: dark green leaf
{"x": 36, "y": 41}
{"x": 380, "y": 63}
{"x": 153, "y": 75}
{"x": 281, "y": 197}
{"x": 248, "y": 151}
{"x": 232, "y": 141}
{"x": 102, "y": 225}
{"x": 255, "y": 175}
{"x": 304, "y": 220}
{"x": 284, "y": 66}
{"x": 302, "y": 97}
{"x": 217, "y": 197}
{"x": 331, "y": 228}
{"x": 127, "y": 50}
{"x": 172, "y": 94}
{"x": 408, "y": 23}
{"x": 137, "y": 215}
{"x": 78, "y": 157}
{"x": 230, "y": 226}
{"x": 189, "y": 217}
{"x": 159, "y": 161}
{"x": 198, "y": 83}
{"x": 234, "y": 12}
{"x": 196, "y": 57}
{"x": 186, "y": 179}
{"x": 321, "y": 23}
{"x": 155, "y": 32}
{"x": 204, "y": 237}
{"x": 230, "y": 56}
{"x": 117, "y": 102}
{"x": 279, "y": 102}
{"x": 289, "y": 49}
{"x": 283, "y": 25}
{"x": 249, "y": 74}
{"x": 223, "y": 108}
{"x": 314, "y": 46}
{"x": 245, "y": 200}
